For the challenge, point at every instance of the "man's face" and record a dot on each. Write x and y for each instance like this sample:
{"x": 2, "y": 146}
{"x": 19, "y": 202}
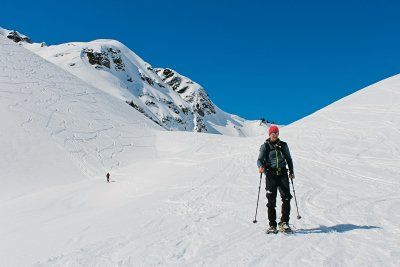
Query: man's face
{"x": 274, "y": 136}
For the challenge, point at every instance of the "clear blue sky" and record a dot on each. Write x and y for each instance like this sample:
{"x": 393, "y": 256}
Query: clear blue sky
{"x": 281, "y": 60}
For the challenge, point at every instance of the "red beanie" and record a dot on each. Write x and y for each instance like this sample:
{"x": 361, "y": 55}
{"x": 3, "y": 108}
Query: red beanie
{"x": 273, "y": 129}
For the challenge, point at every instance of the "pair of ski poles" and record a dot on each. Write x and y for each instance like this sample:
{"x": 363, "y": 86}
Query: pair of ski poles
{"x": 258, "y": 198}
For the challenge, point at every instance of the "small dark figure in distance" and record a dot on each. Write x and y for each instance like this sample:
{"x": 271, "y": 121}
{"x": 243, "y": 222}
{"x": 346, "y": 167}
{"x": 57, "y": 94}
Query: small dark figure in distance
{"x": 108, "y": 177}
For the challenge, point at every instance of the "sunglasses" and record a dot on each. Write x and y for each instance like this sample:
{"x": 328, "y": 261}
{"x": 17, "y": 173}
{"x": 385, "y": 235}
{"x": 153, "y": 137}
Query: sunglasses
{"x": 275, "y": 133}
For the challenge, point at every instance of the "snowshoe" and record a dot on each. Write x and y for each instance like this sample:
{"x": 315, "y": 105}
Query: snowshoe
{"x": 284, "y": 228}
{"x": 271, "y": 230}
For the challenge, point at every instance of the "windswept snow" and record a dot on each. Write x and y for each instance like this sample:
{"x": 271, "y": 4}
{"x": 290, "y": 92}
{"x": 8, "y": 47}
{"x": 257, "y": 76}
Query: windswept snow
{"x": 181, "y": 198}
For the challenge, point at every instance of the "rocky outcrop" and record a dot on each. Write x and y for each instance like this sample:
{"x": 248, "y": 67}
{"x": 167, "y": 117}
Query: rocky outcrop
{"x": 192, "y": 93}
{"x": 17, "y": 37}
{"x": 106, "y": 57}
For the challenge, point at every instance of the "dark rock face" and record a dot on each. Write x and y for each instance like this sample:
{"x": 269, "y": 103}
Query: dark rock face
{"x": 181, "y": 91}
{"x": 147, "y": 79}
{"x": 171, "y": 105}
{"x": 192, "y": 93}
{"x": 198, "y": 98}
{"x": 150, "y": 103}
{"x": 116, "y": 58}
{"x": 96, "y": 58}
{"x": 141, "y": 111}
{"x": 200, "y": 127}
{"x": 185, "y": 110}
{"x": 201, "y": 103}
{"x": 105, "y": 58}
{"x": 175, "y": 82}
{"x": 135, "y": 106}
{"x": 16, "y": 37}
{"x": 167, "y": 73}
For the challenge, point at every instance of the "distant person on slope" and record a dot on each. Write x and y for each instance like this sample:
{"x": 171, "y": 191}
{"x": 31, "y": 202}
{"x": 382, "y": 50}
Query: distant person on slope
{"x": 272, "y": 160}
{"x": 108, "y": 177}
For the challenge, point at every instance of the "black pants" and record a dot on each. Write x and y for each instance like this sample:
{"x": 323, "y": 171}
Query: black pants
{"x": 273, "y": 183}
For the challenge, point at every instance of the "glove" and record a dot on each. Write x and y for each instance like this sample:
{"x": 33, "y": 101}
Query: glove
{"x": 291, "y": 175}
{"x": 261, "y": 169}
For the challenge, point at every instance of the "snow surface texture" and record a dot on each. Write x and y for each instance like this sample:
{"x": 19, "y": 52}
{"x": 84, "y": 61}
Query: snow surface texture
{"x": 181, "y": 198}
{"x": 163, "y": 95}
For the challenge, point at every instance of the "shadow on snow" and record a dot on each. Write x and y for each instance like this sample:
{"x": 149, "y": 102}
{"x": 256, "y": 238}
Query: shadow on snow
{"x": 339, "y": 228}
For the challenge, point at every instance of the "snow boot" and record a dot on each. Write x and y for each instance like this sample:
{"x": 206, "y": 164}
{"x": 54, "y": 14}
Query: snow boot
{"x": 284, "y": 228}
{"x": 271, "y": 230}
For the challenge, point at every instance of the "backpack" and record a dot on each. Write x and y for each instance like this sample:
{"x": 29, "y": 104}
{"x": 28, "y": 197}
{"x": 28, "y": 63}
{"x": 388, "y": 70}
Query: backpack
{"x": 269, "y": 147}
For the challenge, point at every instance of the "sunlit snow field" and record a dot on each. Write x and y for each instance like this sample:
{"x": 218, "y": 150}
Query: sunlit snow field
{"x": 180, "y": 198}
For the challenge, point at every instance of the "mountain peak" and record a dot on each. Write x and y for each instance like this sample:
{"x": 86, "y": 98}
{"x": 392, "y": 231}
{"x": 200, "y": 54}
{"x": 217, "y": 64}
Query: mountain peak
{"x": 166, "y": 97}
{"x": 15, "y": 36}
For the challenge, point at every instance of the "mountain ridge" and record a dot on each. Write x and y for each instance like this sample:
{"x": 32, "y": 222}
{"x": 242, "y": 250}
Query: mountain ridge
{"x": 166, "y": 97}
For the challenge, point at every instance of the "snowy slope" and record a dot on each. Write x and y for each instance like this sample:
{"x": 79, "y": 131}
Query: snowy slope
{"x": 188, "y": 199}
{"x": 47, "y": 111}
{"x": 166, "y": 97}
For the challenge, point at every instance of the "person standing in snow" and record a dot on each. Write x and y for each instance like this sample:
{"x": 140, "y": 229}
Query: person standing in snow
{"x": 108, "y": 177}
{"x": 272, "y": 160}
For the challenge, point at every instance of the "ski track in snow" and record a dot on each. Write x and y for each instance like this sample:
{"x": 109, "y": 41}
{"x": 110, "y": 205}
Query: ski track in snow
{"x": 185, "y": 199}
{"x": 202, "y": 222}
{"x": 49, "y": 106}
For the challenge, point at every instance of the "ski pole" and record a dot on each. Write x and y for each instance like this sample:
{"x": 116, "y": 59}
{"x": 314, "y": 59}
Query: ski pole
{"x": 258, "y": 198}
{"x": 294, "y": 193}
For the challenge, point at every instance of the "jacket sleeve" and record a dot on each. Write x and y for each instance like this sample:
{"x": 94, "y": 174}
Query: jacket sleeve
{"x": 261, "y": 156}
{"x": 288, "y": 157}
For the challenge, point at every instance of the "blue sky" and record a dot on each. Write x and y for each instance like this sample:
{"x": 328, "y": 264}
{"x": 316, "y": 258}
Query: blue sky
{"x": 281, "y": 60}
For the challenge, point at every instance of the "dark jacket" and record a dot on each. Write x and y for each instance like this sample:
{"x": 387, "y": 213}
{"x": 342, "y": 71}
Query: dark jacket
{"x": 274, "y": 155}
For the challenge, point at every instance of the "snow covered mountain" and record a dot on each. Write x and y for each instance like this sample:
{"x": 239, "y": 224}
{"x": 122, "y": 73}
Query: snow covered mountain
{"x": 164, "y": 96}
{"x": 184, "y": 198}
{"x": 46, "y": 110}
{"x": 15, "y": 36}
